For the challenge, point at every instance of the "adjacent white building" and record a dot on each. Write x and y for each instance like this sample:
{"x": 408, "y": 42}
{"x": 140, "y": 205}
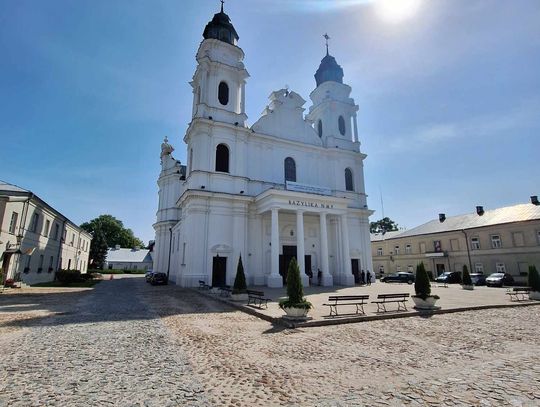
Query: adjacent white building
{"x": 36, "y": 240}
{"x": 289, "y": 185}
{"x": 128, "y": 259}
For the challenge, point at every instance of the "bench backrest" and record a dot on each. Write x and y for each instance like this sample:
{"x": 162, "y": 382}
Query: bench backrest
{"x": 348, "y": 297}
{"x": 390, "y": 296}
{"x": 257, "y": 293}
{"x": 522, "y": 289}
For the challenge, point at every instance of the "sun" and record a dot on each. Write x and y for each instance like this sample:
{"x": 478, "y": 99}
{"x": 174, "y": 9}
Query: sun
{"x": 396, "y": 10}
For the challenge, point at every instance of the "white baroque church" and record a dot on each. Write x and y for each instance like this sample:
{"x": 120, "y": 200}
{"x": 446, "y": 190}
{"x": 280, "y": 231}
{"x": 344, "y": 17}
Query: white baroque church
{"x": 290, "y": 185}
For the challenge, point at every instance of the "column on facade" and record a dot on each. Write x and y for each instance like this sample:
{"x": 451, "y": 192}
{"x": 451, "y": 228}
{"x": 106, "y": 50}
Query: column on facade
{"x": 355, "y": 128}
{"x": 346, "y": 278}
{"x": 243, "y": 97}
{"x": 325, "y": 270}
{"x": 274, "y": 279}
{"x": 300, "y": 249}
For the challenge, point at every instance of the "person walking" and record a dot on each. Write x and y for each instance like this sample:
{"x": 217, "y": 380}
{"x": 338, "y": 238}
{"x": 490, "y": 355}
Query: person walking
{"x": 362, "y": 278}
{"x": 368, "y": 277}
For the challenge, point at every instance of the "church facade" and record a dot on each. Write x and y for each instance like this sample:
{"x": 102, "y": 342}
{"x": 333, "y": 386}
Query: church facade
{"x": 290, "y": 185}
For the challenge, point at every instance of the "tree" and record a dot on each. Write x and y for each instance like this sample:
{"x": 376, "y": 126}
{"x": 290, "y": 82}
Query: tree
{"x": 466, "y": 276}
{"x": 295, "y": 291}
{"x": 382, "y": 226}
{"x": 107, "y": 231}
{"x": 534, "y": 279}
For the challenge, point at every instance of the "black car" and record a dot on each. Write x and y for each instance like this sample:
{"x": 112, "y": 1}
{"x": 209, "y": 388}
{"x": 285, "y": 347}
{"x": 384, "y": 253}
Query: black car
{"x": 148, "y": 276}
{"x": 478, "y": 279}
{"x": 159, "y": 279}
{"x": 400, "y": 277}
{"x": 499, "y": 279}
{"x": 449, "y": 277}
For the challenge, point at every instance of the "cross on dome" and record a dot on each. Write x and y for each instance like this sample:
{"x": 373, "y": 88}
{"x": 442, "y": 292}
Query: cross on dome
{"x": 326, "y": 37}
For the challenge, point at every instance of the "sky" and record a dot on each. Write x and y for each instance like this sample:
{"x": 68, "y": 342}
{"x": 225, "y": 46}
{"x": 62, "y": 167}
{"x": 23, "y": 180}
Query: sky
{"x": 449, "y": 96}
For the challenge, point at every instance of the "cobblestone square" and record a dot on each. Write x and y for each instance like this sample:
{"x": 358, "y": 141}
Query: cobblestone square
{"x": 128, "y": 343}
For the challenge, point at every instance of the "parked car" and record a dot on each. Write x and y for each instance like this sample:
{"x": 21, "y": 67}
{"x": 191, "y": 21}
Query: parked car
{"x": 499, "y": 279}
{"x": 148, "y": 276}
{"x": 449, "y": 277}
{"x": 400, "y": 277}
{"x": 159, "y": 279}
{"x": 478, "y": 279}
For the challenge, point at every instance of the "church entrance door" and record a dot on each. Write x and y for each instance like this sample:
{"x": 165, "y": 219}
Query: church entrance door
{"x": 288, "y": 253}
{"x": 356, "y": 271}
{"x": 219, "y": 271}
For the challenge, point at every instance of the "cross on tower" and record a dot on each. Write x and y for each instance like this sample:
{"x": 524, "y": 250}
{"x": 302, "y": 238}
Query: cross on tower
{"x": 222, "y": 1}
{"x": 326, "y": 38}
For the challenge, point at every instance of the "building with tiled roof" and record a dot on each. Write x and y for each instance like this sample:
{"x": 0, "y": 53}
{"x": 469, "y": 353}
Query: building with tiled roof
{"x": 128, "y": 259}
{"x": 499, "y": 240}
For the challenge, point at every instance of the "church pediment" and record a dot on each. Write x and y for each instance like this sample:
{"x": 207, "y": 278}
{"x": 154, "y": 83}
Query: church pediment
{"x": 284, "y": 118}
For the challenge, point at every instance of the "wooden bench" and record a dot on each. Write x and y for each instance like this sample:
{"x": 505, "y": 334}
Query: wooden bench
{"x": 257, "y": 298}
{"x": 225, "y": 291}
{"x": 518, "y": 293}
{"x": 357, "y": 300}
{"x": 383, "y": 299}
{"x": 203, "y": 285}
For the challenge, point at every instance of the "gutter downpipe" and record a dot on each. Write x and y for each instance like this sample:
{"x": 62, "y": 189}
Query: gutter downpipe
{"x": 468, "y": 250}
{"x": 170, "y": 247}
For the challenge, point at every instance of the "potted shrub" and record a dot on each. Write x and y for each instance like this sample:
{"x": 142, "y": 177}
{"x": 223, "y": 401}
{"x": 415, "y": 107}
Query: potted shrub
{"x": 239, "y": 288}
{"x": 422, "y": 287}
{"x": 467, "y": 282}
{"x": 295, "y": 305}
{"x": 534, "y": 283}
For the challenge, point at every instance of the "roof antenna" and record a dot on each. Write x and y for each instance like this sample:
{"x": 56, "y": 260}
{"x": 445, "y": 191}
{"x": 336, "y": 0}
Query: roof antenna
{"x": 222, "y": 1}
{"x": 327, "y": 38}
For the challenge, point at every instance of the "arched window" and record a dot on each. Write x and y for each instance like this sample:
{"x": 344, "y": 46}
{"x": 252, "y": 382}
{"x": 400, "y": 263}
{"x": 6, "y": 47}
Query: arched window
{"x": 222, "y": 158}
{"x": 348, "y": 180}
{"x": 223, "y": 93}
{"x": 319, "y": 128}
{"x": 290, "y": 169}
{"x": 341, "y": 125}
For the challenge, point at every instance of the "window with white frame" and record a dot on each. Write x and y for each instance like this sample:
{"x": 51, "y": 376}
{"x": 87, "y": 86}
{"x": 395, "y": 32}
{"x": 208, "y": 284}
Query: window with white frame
{"x": 410, "y": 268}
{"x": 379, "y": 251}
{"x": 13, "y": 222}
{"x": 33, "y": 225}
{"x": 51, "y": 261}
{"x": 475, "y": 243}
{"x": 72, "y": 239}
{"x": 398, "y": 268}
{"x": 40, "y": 268}
{"x": 56, "y": 231}
{"x": 381, "y": 269}
{"x": 501, "y": 268}
{"x": 408, "y": 249}
{"x": 46, "y": 228}
{"x": 479, "y": 267}
{"x": 396, "y": 250}
{"x": 422, "y": 247}
{"x": 454, "y": 245}
{"x": 496, "y": 241}
{"x": 518, "y": 239}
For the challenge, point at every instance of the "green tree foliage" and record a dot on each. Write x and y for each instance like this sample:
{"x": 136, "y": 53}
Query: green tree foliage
{"x": 240, "y": 285}
{"x": 295, "y": 290}
{"x": 534, "y": 278}
{"x": 382, "y": 226}
{"x": 466, "y": 276}
{"x": 107, "y": 231}
{"x": 422, "y": 286}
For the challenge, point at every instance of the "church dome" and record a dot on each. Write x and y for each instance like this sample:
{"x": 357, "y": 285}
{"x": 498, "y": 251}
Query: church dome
{"x": 221, "y": 28}
{"x": 329, "y": 70}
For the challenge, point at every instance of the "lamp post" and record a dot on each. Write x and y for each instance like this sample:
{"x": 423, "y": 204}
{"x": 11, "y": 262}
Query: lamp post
{"x": 468, "y": 250}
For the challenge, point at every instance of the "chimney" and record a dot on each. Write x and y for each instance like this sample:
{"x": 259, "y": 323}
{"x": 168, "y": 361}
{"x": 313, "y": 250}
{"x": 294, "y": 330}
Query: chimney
{"x": 442, "y": 217}
{"x": 117, "y": 247}
{"x": 534, "y": 200}
{"x": 480, "y": 210}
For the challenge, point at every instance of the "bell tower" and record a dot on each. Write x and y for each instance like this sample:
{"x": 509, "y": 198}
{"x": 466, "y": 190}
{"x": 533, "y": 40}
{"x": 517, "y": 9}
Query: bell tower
{"x": 333, "y": 113}
{"x": 220, "y": 78}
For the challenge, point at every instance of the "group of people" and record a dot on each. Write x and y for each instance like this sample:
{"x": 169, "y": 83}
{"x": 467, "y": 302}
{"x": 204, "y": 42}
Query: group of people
{"x": 362, "y": 278}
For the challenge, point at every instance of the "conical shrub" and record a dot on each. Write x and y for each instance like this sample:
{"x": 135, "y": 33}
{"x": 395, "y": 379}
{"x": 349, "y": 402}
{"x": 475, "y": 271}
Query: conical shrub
{"x": 466, "y": 276}
{"x": 534, "y": 278}
{"x": 422, "y": 286}
{"x": 240, "y": 285}
{"x": 295, "y": 290}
